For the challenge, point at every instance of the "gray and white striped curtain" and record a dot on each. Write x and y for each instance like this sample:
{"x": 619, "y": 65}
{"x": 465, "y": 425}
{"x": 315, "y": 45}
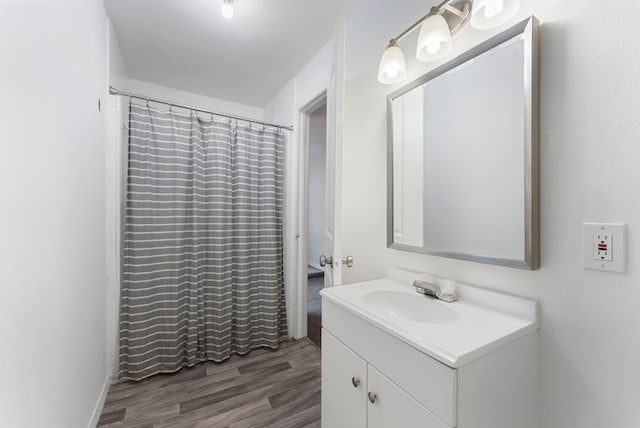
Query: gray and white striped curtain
{"x": 203, "y": 247}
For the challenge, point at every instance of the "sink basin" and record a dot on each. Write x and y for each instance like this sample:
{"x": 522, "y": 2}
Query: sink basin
{"x": 415, "y": 308}
{"x": 452, "y": 333}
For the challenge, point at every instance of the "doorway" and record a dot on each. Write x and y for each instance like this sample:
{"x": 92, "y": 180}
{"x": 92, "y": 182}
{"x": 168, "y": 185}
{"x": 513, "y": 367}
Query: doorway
{"x": 317, "y": 241}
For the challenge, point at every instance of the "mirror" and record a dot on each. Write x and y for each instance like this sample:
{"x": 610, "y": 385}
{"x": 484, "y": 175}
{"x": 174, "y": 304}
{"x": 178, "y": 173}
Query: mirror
{"x": 463, "y": 155}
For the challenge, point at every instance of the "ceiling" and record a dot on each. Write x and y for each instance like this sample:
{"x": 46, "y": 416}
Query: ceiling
{"x": 189, "y": 45}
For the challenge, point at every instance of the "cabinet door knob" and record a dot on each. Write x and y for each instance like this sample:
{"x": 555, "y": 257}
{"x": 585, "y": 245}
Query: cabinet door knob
{"x": 372, "y": 397}
{"x": 355, "y": 382}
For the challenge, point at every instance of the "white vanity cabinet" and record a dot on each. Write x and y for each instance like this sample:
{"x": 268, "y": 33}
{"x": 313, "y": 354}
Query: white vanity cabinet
{"x": 390, "y": 406}
{"x": 356, "y": 395}
{"x": 379, "y": 373}
{"x": 344, "y": 385}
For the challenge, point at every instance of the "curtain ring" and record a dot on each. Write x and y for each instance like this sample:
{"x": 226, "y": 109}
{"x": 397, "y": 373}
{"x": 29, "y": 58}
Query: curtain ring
{"x": 147, "y": 102}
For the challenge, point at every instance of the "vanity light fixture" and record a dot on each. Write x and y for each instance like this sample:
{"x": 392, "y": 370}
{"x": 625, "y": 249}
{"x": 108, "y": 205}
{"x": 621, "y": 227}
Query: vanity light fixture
{"x": 227, "y": 9}
{"x": 434, "y": 41}
{"x": 437, "y": 29}
{"x": 488, "y": 14}
{"x": 393, "y": 68}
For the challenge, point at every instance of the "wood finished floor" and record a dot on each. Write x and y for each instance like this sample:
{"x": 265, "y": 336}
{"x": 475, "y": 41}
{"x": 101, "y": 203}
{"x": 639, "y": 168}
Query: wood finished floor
{"x": 264, "y": 388}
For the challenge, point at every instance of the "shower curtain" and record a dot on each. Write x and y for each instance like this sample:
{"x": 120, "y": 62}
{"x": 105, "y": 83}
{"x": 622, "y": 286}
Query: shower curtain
{"x": 203, "y": 246}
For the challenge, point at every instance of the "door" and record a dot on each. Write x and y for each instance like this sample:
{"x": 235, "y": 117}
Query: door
{"x": 344, "y": 386}
{"x": 390, "y": 406}
{"x": 331, "y": 260}
{"x": 333, "y": 204}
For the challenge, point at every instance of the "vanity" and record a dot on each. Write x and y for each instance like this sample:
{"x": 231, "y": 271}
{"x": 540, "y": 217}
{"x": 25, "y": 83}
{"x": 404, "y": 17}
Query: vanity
{"x": 394, "y": 358}
{"x": 462, "y": 183}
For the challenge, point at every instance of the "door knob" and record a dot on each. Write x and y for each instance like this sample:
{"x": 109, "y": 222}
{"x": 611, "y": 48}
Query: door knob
{"x": 355, "y": 382}
{"x": 348, "y": 261}
{"x": 372, "y": 398}
{"x": 326, "y": 261}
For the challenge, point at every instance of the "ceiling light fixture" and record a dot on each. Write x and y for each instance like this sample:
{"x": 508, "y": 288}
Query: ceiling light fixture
{"x": 227, "y": 9}
{"x": 437, "y": 29}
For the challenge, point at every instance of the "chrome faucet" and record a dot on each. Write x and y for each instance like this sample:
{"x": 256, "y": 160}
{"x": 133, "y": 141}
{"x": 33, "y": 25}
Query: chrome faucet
{"x": 434, "y": 290}
{"x": 421, "y": 287}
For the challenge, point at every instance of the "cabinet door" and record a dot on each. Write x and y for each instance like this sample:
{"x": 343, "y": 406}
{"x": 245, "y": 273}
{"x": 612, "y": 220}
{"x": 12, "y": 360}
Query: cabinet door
{"x": 392, "y": 407}
{"x": 344, "y": 385}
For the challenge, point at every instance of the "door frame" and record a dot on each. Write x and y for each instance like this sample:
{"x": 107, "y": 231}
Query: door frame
{"x": 337, "y": 73}
{"x": 302, "y": 213}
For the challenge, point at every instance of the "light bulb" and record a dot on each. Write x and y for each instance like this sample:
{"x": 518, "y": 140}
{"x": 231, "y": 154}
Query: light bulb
{"x": 493, "y": 8}
{"x": 433, "y": 46}
{"x": 227, "y": 10}
{"x": 434, "y": 41}
{"x": 487, "y": 14}
{"x": 393, "y": 68}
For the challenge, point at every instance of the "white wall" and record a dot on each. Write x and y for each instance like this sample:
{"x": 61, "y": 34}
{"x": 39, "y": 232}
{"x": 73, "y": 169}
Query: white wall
{"x": 196, "y": 100}
{"x": 317, "y": 238}
{"x": 285, "y": 108}
{"x": 590, "y": 169}
{"x": 119, "y": 78}
{"x": 52, "y": 250}
{"x": 118, "y": 69}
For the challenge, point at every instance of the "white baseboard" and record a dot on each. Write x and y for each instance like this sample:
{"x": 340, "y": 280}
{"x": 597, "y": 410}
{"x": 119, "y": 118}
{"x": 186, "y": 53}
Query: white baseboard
{"x": 97, "y": 411}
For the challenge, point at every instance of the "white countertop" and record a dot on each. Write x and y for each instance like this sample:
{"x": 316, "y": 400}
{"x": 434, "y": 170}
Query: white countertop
{"x": 479, "y": 322}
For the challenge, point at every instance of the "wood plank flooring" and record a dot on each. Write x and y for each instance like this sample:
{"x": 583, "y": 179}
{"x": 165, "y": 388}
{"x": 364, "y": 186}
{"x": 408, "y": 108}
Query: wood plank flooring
{"x": 264, "y": 388}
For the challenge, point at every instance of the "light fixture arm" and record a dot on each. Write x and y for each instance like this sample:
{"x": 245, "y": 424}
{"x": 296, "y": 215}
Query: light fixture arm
{"x": 409, "y": 30}
{"x": 455, "y": 11}
{"x": 461, "y": 10}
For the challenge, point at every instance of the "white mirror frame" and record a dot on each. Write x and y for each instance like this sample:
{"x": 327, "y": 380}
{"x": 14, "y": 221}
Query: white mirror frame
{"x": 529, "y": 30}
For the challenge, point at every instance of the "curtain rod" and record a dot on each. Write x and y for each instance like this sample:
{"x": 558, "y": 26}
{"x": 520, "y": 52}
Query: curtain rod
{"x": 114, "y": 91}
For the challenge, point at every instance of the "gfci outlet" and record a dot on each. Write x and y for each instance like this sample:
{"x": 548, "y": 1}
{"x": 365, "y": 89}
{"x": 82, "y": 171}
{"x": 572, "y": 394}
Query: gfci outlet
{"x": 602, "y": 248}
{"x": 605, "y": 246}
